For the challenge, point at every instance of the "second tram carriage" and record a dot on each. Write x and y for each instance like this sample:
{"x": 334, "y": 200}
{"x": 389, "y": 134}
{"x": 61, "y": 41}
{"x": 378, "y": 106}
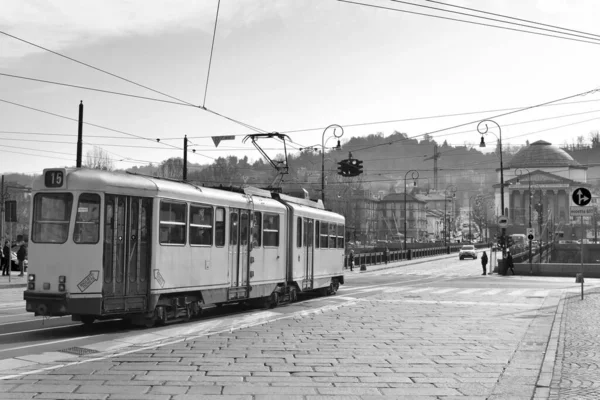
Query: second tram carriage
{"x": 113, "y": 245}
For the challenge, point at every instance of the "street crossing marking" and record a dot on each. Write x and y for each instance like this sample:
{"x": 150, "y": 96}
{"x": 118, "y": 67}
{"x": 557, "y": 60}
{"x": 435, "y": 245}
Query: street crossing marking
{"x": 431, "y": 290}
{"x": 444, "y": 290}
{"x": 517, "y": 292}
{"x": 493, "y": 291}
{"x": 469, "y": 291}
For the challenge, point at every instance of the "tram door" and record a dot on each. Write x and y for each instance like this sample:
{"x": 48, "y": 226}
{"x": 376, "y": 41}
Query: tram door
{"x": 127, "y": 249}
{"x": 309, "y": 245}
{"x": 239, "y": 237}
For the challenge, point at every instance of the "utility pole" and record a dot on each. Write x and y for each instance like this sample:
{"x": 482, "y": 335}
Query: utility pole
{"x": 185, "y": 144}
{"x": 79, "y": 136}
{"x": 435, "y": 157}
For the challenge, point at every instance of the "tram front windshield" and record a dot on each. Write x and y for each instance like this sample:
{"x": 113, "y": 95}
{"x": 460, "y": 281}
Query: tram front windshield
{"x": 51, "y": 216}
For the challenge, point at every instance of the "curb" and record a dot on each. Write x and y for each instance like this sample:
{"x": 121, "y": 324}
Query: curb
{"x": 13, "y": 285}
{"x": 550, "y": 371}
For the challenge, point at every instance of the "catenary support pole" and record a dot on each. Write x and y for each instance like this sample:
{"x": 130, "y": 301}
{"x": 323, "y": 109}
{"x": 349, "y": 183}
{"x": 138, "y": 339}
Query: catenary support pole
{"x": 79, "y": 136}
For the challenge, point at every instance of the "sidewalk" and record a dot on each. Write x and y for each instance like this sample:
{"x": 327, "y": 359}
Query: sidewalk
{"x": 15, "y": 280}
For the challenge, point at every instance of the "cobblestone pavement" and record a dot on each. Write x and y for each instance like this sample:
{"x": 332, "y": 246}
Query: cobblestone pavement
{"x": 577, "y": 370}
{"x": 393, "y": 345}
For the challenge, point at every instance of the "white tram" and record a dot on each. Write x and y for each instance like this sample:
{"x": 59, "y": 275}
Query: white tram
{"x": 112, "y": 245}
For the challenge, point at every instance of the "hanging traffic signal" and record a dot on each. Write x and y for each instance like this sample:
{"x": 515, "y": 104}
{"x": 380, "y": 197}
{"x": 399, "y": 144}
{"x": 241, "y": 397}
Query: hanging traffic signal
{"x": 350, "y": 167}
{"x": 10, "y": 211}
{"x": 359, "y": 167}
{"x": 341, "y": 167}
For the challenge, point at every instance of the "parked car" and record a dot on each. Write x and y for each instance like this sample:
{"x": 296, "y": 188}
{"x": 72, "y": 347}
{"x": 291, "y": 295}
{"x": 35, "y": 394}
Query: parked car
{"x": 467, "y": 250}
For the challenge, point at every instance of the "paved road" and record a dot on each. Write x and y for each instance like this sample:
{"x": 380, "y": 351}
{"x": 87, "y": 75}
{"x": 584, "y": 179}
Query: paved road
{"x": 433, "y": 330}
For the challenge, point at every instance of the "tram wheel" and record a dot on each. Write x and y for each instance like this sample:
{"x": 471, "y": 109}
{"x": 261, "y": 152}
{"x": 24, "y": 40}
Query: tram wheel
{"x": 293, "y": 295}
{"x": 274, "y": 300}
{"x": 88, "y": 319}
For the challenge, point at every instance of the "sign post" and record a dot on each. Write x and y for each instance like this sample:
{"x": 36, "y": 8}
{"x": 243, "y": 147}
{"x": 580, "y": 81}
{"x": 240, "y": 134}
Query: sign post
{"x": 581, "y": 197}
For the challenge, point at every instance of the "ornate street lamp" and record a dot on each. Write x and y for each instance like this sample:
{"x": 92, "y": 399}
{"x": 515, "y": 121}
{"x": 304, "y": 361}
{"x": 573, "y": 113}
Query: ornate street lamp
{"x": 519, "y": 173}
{"x": 415, "y": 176}
{"x": 482, "y": 128}
{"x": 338, "y": 147}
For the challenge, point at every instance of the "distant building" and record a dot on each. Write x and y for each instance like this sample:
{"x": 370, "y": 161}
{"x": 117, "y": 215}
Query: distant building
{"x": 552, "y": 175}
{"x": 392, "y": 216}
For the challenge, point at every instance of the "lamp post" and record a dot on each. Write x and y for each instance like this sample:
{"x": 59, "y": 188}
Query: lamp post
{"x": 452, "y": 189}
{"x": 540, "y": 217}
{"x": 335, "y": 126}
{"x": 482, "y": 128}
{"x": 519, "y": 173}
{"x": 471, "y": 212}
{"x": 415, "y": 176}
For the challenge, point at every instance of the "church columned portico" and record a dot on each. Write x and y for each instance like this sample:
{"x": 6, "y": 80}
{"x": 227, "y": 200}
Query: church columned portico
{"x": 551, "y": 176}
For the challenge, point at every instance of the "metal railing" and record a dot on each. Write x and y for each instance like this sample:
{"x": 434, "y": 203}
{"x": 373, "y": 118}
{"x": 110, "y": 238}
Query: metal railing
{"x": 380, "y": 257}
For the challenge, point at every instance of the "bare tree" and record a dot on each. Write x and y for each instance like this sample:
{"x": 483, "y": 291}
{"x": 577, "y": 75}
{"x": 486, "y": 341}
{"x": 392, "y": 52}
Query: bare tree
{"x": 595, "y": 138}
{"x": 171, "y": 168}
{"x": 98, "y": 158}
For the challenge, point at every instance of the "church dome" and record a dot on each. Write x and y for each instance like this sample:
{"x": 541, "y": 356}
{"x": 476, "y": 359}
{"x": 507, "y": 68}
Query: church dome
{"x": 542, "y": 154}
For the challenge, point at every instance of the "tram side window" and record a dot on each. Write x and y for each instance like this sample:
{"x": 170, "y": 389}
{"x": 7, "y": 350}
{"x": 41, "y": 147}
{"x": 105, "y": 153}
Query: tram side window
{"x": 317, "y": 227}
{"x": 172, "y": 222}
{"x": 51, "y": 217}
{"x": 220, "y": 227}
{"x": 332, "y": 235}
{"x": 299, "y": 232}
{"x": 201, "y": 225}
{"x": 256, "y": 229}
{"x": 340, "y": 236}
{"x": 323, "y": 235}
{"x": 271, "y": 230}
{"x": 87, "y": 219}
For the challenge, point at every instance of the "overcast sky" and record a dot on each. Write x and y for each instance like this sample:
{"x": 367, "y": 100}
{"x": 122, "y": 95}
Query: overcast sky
{"x": 282, "y": 66}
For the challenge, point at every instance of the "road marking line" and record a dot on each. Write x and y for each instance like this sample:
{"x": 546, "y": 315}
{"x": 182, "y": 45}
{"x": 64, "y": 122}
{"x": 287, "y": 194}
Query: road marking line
{"x": 493, "y": 291}
{"x": 468, "y": 291}
{"x": 397, "y": 289}
{"x": 420, "y": 290}
{"x": 444, "y": 290}
{"x": 35, "y": 330}
{"x": 517, "y": 292}
{"x": 45, "y": 343}
{"x": 543, "y": 293}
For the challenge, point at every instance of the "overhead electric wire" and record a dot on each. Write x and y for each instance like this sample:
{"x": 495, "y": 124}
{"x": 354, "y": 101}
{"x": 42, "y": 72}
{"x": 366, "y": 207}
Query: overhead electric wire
{"x": 491, "y": 19}
{"x": 211, "y": 53}
{"x": 477, "y": 121}
{"x": 96, "y": 90}
{"x": 92, "y": 67}
{"x": 509, "y": 17}
{"x": 90, "y": 124}
{"x": 465, "y": 21}
{"x": 130, "y": 81}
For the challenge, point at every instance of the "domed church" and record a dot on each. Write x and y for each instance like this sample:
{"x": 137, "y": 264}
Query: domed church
{"x": 540, "y": 173}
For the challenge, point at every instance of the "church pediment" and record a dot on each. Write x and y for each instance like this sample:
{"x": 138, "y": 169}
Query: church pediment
{"x": 541, "y": 178}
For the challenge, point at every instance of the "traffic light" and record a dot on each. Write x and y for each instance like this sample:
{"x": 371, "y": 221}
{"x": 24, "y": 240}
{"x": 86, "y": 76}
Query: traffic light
{"x": 341, "y": 167}
{"x": 359, "y": 167}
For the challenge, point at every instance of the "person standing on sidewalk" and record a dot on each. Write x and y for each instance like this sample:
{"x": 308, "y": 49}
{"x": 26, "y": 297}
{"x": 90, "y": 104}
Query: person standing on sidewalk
{"x": 510, "y": 264}
{"x": 6, "y": 259}
{"x": 484, "y": 261}
{"x": 21, "y": 255}
{"x": 351, "y": 259}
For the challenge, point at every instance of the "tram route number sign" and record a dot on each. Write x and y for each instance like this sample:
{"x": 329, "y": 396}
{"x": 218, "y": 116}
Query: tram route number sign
{"x": 88, "y": 280}
{"x": 582, "y": 196}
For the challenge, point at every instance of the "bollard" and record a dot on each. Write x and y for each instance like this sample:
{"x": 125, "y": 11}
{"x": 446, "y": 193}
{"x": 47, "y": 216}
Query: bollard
{"x": 363, "y": 267}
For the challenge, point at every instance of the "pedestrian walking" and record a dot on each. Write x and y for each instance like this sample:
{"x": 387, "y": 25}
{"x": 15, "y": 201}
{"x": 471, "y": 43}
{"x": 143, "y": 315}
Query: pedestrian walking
{"x": 351, "y": 260}
{"x": 386, "y": 254}
{"x": 21, "y": 255}
{"x": 509, "y": 263}
{"x": 6, "y": 259}
{"x": 484, "y": 261}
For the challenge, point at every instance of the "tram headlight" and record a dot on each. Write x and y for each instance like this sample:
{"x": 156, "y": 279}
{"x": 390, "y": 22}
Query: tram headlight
{"x": 61, "y": 287}
{"x": 31, "y": 277}
{"x": 62, "y": 279}
{"x": 31, "y": 286}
